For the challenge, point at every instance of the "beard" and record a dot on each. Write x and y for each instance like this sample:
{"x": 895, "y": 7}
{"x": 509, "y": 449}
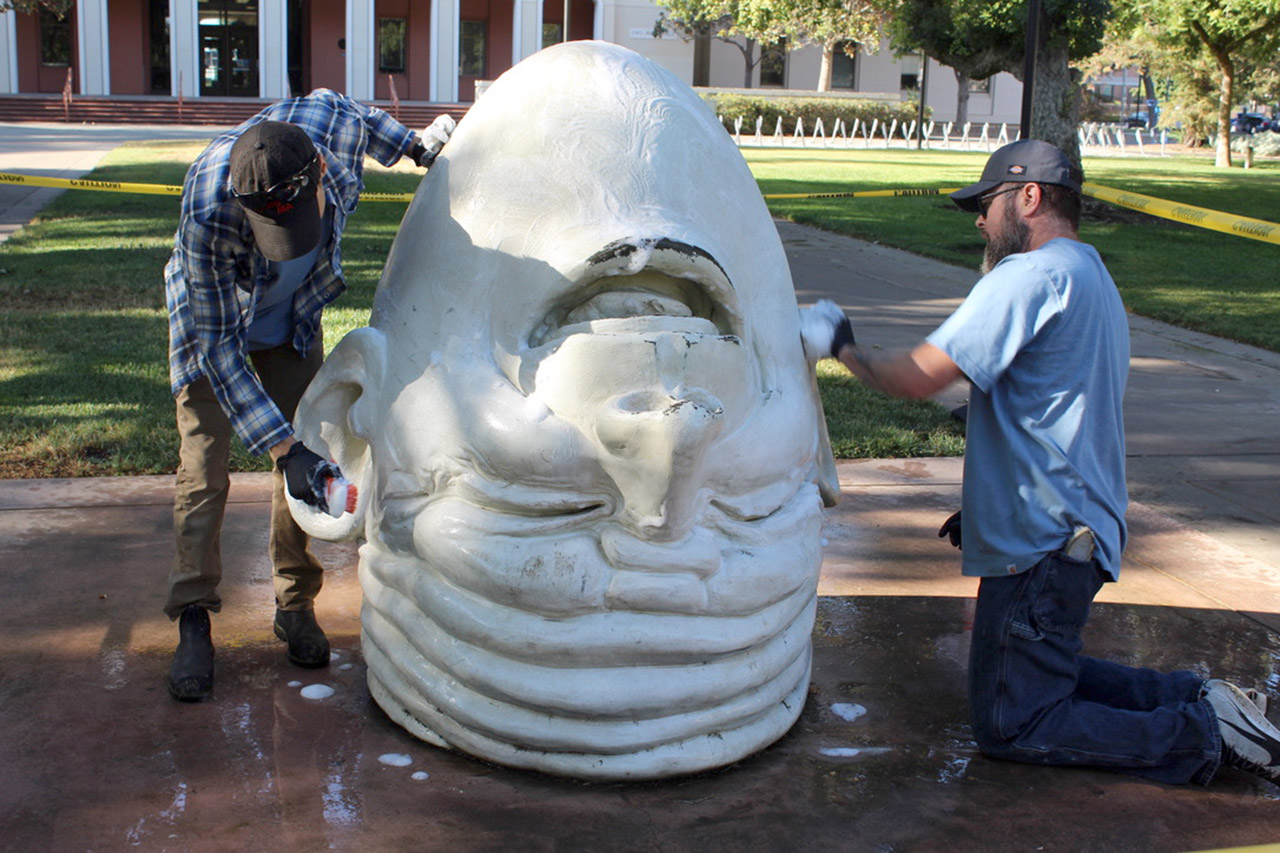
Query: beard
{"x": 1013, "y": 237}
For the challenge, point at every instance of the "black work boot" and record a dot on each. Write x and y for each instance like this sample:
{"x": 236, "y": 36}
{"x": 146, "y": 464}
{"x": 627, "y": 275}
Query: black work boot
{"x": 308, "y": 646}
{"x": 191, "y": 673}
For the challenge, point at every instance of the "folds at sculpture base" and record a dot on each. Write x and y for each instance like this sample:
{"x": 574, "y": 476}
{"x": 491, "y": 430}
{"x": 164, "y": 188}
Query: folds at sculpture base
{"x": 591, "y": 455}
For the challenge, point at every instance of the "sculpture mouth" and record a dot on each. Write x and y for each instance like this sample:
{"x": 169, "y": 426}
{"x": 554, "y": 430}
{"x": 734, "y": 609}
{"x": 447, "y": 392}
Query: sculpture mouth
{"x": 639, "y": 285}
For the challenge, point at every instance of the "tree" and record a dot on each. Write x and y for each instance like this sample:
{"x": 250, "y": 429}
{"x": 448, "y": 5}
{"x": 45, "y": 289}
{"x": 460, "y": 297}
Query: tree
{"x": 931, "y": 27}
{"x": 1234, "y": 33}
{"x": 60, "y": 7}
{"x": 703, "y": 20}
{"x": 831, "y": 24}
{"x": 981, "y": 37}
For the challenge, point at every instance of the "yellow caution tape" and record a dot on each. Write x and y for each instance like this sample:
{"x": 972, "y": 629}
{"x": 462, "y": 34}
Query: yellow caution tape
{"x": 1214, "y": 220}
{"x": 863, "y": 194}
{"x": 80, "y": 184}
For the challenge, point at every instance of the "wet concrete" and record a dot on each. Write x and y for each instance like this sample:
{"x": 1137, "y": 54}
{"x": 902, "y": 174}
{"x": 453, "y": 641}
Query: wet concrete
{"x": 95, "y": 754}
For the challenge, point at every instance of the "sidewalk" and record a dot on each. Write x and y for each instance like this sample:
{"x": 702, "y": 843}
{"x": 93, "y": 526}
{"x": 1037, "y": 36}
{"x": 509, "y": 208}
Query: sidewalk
{"x": 96, "y": 755}
{"x": 63, "y": 151}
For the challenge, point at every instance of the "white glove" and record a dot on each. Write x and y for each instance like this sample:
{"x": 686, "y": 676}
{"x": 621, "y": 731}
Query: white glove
{"x": 432, "y": 139}
{"x": 823, "y": 329}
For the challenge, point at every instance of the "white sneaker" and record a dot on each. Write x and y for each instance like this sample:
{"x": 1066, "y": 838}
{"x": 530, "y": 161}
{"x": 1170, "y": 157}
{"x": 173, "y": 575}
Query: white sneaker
{"x": 1249, "y": 742}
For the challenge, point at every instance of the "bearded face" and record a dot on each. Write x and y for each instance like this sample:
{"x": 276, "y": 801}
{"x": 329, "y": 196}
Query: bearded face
{"x": 590, "y": 452}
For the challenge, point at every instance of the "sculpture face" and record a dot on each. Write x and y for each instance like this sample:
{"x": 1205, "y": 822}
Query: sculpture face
{"x": 586, "y": 437}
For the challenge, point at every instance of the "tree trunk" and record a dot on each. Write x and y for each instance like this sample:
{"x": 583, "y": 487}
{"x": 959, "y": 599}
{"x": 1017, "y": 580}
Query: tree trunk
{"x": 962, "y": 98}
{"x": 824, "y": 70}
{"x": 1222, "y": 154}
{"x": 1055, "y": 101}
{"x": 747, "y": 52}
{"x": 702, "y": 59}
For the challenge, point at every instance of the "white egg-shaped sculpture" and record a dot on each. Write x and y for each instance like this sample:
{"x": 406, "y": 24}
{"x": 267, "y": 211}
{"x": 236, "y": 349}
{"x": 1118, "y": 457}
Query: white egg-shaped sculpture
{"x": 590, "y": 453}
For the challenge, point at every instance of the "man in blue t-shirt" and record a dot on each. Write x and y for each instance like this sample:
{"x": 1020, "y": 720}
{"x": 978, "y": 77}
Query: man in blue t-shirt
{"x": 1044, "y": 342}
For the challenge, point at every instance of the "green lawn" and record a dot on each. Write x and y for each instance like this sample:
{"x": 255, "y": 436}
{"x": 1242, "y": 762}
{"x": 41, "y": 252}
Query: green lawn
{"x": 83, "y": 373}
{"x": 1204, "y": 280}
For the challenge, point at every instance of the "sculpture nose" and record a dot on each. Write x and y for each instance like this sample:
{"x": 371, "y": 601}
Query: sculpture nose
{"x": 656, "y": 442}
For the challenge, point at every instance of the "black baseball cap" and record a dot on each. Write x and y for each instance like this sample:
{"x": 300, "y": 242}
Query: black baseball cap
{"x": 274, "y": 171}
{"x": 1030, "y": 161}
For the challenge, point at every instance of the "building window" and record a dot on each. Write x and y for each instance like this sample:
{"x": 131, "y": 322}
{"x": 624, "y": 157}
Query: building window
{"x": 158, "y": 38}
{"x": 552, "y": 34}
{"x": 473, "y": 61}
{"x": 391, "y": 33}
{"x": 981, "y": 87}
{"x": 55, "y": 39}
{"x": 773, "y": 64}
{"x": 843, "y": 65}
{"x": 909, "y": 74}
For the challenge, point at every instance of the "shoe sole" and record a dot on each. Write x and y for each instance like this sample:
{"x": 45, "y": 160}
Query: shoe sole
{"x": 192, "y": 695}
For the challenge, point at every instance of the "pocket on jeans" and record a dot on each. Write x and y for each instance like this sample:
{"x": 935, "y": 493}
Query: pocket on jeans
{"x": 1057, "y": 598}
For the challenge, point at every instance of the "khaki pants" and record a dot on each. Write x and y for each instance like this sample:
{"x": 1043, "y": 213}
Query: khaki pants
{"x": 203, "y": 482}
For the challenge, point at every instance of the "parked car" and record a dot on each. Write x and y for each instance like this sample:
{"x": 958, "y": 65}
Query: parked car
{"x": 1251, "y": 123}
{"x": 1136, "y": 120}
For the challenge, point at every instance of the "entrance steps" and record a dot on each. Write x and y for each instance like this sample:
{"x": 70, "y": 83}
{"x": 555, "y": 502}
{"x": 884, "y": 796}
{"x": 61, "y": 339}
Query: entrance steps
{"x": 223, "y": 112}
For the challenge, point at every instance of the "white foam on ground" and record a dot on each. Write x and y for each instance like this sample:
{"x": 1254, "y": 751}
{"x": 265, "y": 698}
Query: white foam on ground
{"x": 420, "y": 776}
{"x": 317, "y": 691}
{"x": 848, "y": 711}
{"x": 395, "y": 759}
{"x": 841, "y": 751}
{"x": 852, "y": 751}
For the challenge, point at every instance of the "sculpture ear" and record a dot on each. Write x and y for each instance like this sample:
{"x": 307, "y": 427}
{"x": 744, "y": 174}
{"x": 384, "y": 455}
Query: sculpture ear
{"x": 824, "y": 464}
{"x": 336, "y": 417}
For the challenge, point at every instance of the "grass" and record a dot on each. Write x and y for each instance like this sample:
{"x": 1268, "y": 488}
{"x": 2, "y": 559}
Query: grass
{"x": 83, "y": 338}
{"x": 1198, "y": 279}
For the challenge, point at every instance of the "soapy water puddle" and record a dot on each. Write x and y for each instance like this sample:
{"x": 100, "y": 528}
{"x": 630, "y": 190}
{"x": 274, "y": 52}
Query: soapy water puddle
{"x": 852, "y": 751}
{"x": 848, "y": 711}
{"x": 317, "y": 691}
{"x": 953, "y": 770}
{"x": 400, "y": 759}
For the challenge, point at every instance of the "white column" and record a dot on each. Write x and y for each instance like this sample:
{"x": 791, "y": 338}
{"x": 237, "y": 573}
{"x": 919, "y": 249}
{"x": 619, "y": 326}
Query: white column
{"x": 273, "y": 51}
{"x": 445, "y": 25}
{"x": 9, "y": 53}
{"x": 361, "y": 49}
{"x": 526, "y": 29}
{"x": 184, "y": 47}
{"x": 95, "y": 49}
{"x": 597, "y": 20}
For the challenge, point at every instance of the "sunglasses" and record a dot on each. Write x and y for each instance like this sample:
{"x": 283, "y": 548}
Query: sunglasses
{"x": 278, "y": 198}
{"x": 984, "y": 202}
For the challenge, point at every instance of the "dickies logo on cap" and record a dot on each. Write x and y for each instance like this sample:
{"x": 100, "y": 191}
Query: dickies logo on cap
{"x": 1016, "y": 169}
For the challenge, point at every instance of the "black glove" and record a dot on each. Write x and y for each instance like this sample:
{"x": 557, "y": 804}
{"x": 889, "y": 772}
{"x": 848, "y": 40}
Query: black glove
{"x": 843, "y": 335}
{"x": 951, "y": 527}
{"x": 431, "y": 140}
{"x": 306, "y": 474}
{"x": 824, "y": 329}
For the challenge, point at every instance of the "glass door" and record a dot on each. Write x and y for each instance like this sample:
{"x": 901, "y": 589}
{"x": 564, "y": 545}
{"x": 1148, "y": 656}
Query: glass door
{"x": 229, "y": 48}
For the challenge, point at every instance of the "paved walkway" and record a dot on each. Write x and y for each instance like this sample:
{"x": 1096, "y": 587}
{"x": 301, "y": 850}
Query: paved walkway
{"x": 95, "y": 754}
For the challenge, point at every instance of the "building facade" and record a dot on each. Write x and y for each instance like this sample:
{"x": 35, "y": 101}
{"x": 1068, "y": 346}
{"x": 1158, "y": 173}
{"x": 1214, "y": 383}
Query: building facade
{"x": 412, "y": 50}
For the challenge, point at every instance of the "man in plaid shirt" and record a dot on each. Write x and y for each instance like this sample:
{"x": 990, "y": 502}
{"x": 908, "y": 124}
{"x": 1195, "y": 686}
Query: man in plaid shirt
{"x": 255, "y": 261}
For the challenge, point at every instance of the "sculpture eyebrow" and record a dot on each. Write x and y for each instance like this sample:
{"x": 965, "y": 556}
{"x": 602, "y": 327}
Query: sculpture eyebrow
{"x": 623, "y": 248}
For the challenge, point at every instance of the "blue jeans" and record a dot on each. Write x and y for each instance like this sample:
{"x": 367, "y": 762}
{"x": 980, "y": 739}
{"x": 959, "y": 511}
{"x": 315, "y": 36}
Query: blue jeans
{"x": 1035, "y": 698}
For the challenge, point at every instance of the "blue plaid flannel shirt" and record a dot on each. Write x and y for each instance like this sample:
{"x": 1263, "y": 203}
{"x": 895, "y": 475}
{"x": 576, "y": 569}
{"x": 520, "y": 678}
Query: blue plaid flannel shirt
{"x": 214, "y": 276}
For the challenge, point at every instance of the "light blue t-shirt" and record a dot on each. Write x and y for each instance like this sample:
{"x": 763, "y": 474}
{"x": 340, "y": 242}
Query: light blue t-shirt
{"x": 1044, "y": 340}
{"x": 272, "y": 323}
